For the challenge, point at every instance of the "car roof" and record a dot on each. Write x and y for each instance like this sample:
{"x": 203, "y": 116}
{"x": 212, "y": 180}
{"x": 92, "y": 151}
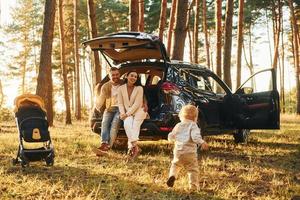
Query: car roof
{"x": 189, "y": 66}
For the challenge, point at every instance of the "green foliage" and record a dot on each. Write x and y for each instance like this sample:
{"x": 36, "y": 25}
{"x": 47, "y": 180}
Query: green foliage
{"x": 112, "y": 16}
{"x": 152, "y": 15}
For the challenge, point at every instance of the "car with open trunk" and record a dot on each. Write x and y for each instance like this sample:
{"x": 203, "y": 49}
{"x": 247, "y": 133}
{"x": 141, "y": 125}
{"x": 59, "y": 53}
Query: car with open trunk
{"x": 169, "y": 84}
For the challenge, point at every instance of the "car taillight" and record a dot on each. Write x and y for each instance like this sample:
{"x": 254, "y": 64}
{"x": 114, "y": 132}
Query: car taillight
{"x": 168, "y": 87}
{"x": 166, "y": 129}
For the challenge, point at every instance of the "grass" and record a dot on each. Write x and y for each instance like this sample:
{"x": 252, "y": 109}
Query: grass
{"x": 267, "y": 167}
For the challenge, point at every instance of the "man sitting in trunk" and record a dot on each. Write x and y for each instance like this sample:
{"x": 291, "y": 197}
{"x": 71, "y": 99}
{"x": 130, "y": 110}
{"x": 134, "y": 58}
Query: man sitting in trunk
{"x": 107, "y": 97}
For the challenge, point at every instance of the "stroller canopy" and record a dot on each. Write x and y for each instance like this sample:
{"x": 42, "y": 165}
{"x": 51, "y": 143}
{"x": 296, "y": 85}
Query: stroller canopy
{"x": 29, "y": 100}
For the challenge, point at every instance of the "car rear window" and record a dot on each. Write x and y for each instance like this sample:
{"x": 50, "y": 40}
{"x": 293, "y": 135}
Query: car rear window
{"x": 148, "y": 76}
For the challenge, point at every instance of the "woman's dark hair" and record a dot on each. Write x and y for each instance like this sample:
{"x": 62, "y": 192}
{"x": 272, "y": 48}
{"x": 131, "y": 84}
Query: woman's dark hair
{"x": 138, "y": 80}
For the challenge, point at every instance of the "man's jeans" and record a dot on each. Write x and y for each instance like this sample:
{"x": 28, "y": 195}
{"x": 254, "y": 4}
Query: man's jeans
{"x": 110, "y": 125}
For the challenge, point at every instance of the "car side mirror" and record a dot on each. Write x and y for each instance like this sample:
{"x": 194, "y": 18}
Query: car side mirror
{"x": 247, "y": 90}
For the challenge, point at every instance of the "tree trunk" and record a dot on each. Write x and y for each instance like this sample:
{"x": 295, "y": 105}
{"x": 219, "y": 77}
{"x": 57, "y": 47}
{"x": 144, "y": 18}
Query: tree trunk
{"x": 268, "y": 34}
{"x": 296, "y": 53}
{"x": 44, "y": 82}
{"x": 188, "y": 31}
{"x": 180, "y": 30}
{"x": 76, "y": 61}
{"x": 218, "y": 20}
{"x": 171, "y": 26}
{"x": 63, "y": 62}
{"x": 162, "y": 20}
{"x": 86, "y": 74}
{"x": 24, "y": 67}
{"x": 240, "y": 43}
{"x": 205, "y": 33}
{"x": 133, "y": 15}
{"x": 228, "y": 43}
{"x": 72, "y": 87}
{"x": 191, "y": 45}
{"x": 93, "y": 33}
{"x": 282, "y": 69}
{"x": 141, "y": 15}
{"x": 276, "y": 35}
{"x": 196, "y": 30}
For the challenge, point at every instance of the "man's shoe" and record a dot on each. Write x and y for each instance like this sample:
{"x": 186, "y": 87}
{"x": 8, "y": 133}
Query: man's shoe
{"x": 170, "y": 182}
{"x": 99, "y": 153}
{"x": 102, "y": 150}
{"x": 104, "y": 147}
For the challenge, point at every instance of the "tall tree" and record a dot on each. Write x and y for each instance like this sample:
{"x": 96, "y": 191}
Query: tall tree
{"x": 133, "y": 15}
{"x": 227, "y": 43}
{"x": 162, "y": 20}
{"x": 180, "y": 30}
{"x": 277, "y": 27}
{"x": 141, "y": 15}
{"x": 77, "y": 71}
{"x": 171, "y": 25}
{"x": 218, "y": 20}
{"x": 93, "y": 33}
{"x": 282, "y": 94}
{"x": 63, "y": 62}
{"x": 189, "y": 35}
{"x": 44, "y": 82}
{"x": 239, "y": 43}
{"x": 196, "y": 30}
{"x": 295, "y": 34}
{"x": 204, "y": 24}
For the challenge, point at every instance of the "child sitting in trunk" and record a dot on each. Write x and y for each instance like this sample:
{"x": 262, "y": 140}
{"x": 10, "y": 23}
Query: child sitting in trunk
{"x": 186, "y": 135}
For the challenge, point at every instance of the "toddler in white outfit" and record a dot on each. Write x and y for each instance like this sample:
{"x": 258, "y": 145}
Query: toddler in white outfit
{"x": 186, "y": 135}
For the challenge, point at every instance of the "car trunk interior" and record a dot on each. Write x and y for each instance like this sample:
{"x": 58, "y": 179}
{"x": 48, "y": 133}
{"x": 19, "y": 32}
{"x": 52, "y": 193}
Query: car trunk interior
{"x": 150, "y": 78}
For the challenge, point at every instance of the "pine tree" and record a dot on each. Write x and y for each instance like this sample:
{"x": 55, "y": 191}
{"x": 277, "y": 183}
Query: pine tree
{"x": 44, "y": 82}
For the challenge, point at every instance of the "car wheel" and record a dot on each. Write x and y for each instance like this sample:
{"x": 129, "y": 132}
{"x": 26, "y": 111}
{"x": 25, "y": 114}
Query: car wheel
{"x": 241, "y": 135}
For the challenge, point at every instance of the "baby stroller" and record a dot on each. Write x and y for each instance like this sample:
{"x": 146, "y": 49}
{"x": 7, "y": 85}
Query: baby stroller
{"x": 32, "y": 125}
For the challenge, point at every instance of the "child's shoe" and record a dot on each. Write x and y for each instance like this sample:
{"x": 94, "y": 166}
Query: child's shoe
{"x": 170, "y": 182}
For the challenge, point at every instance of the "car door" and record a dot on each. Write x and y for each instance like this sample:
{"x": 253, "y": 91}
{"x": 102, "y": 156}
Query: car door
{"x": 256, "y": 102}
{"x": 209, "y": 93}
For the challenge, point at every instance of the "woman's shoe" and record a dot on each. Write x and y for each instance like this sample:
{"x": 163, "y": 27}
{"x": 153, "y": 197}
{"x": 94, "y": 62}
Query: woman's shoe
{"x": 135, "y": 151}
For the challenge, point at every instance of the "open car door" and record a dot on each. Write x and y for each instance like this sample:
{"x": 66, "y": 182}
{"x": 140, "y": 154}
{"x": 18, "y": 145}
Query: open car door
{"x": 256, "y": 102}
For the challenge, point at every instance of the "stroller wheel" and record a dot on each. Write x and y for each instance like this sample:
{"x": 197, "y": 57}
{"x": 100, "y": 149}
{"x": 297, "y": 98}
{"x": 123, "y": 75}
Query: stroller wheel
{"x": 50, "y": 162}
{"x": 14, "y": 161}
{"x": 24, "y": 163}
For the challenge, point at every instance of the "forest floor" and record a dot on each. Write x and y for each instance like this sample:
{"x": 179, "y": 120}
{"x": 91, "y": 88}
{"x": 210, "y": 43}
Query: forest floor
{"x": 267, "y": 167}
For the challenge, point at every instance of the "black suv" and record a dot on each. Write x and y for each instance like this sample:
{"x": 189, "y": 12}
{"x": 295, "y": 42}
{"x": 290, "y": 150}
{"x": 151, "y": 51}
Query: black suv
{"x": 168, "y": 85}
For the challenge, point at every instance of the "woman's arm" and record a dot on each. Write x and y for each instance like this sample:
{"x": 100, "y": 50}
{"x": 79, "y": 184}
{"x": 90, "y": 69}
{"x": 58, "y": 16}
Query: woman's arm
{"x": 120, "y": 101}
{"x": 138, "y": 101}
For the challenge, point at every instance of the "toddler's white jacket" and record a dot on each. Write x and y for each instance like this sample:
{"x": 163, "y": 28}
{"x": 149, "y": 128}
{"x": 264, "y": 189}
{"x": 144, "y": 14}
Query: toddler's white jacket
{"x": 186, "y": 135}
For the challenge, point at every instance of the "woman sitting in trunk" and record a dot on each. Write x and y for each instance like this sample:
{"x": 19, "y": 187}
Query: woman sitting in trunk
{"x": 130, "y": 102}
